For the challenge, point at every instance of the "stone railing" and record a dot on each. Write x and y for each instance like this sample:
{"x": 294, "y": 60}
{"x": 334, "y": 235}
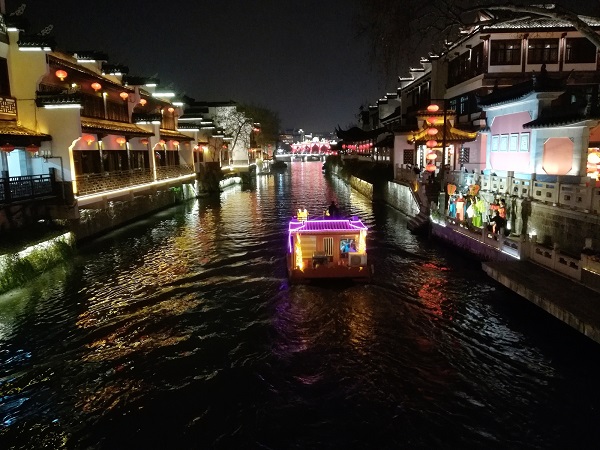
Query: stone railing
{"x": 552, "y": 258}
{"x": 583, "y": 197}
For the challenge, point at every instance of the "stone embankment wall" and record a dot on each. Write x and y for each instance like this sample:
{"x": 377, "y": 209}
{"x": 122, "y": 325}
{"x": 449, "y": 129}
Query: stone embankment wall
{"x": 104, "y": 217}
{"x": 362, "y": 186}
{"x": 401, "y": 197}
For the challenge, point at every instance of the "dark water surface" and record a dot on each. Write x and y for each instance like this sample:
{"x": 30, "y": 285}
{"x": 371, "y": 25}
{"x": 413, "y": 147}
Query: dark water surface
{"x": 182, "y": 332}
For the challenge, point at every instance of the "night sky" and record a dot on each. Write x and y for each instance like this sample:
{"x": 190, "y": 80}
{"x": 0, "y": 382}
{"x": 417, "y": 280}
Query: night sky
{"x": 301, "y": 59}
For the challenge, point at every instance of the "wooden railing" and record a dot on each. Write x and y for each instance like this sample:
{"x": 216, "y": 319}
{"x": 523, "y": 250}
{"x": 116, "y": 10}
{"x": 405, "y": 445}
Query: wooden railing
{"x": 26, "y": 187}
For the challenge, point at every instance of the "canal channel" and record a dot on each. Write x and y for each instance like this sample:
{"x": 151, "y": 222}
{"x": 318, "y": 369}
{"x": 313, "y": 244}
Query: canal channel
{"x": 181, "y": 331}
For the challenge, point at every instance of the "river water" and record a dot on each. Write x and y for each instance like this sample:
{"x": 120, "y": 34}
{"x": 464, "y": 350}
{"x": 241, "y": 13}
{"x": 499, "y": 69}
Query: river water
{"x": 182, "y": 332}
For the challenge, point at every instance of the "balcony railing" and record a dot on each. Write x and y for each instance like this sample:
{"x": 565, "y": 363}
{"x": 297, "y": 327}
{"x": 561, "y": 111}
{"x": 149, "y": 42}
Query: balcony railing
{"x": 96, "y": 183}
{"x": 26, "y": 187}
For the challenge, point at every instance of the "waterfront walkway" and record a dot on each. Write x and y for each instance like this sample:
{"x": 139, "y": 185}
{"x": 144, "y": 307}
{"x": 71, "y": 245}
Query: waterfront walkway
{"x": 564, "y": 298}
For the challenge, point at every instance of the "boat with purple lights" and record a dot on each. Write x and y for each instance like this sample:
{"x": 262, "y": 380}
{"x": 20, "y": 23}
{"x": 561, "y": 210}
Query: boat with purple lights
{"x": 328, "y": 248}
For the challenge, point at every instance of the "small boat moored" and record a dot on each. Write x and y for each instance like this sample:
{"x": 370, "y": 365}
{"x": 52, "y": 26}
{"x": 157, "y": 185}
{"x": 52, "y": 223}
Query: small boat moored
{"x": 327, "y": 248}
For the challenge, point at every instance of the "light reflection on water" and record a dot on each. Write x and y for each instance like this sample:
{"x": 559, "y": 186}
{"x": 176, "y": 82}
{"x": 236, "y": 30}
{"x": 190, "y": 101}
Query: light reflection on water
{"x": 182, "y": 331}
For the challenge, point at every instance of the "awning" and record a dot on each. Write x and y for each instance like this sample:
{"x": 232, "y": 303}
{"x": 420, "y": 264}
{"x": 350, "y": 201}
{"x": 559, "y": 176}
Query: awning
{"x": 101, "y": 126}
{"x": 19, "y": 136}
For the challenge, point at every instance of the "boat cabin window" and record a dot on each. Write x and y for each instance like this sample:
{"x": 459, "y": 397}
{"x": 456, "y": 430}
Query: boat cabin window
{"x": 328, "y": 246}
{"x": 347, "y": 245}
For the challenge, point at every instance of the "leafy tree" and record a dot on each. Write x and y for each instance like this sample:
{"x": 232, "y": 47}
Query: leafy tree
{"x": 269, "y": 123}
{"x": 400, "y": 30}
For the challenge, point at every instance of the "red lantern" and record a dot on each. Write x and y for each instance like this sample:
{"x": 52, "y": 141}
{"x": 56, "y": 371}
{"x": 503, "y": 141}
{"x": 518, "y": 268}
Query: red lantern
{"x": 124, "y": 95}
{"x": 431, "y": 156}
{"x": 344, "y": 146}
{"x": 161, "y": 142}
{"x": 143, "y": 102}
{"x": 430, "y": 167}
{"x": 88, "y": 138}
{"x": 432, "y": 120}
{"x": 144, "y": 141}
{"x": 171, "y": 109}
{"x": 7, "y": 147}
{"x": 61, "y": 74}
{"x": 32, "y": 148}
{"x": 433, "y": 108}
{"x": 96, "y": 86}
{"x": 431, "y": 143}
{"x": 121, "y": 140}
{"x": 432, "y": 131}
{"x": 175, "y": 143}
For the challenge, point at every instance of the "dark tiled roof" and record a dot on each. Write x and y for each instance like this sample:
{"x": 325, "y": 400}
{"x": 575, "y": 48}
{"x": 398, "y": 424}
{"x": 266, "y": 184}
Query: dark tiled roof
{"x": 355, "y": 134}
{"x": 43, "y": 99}
{"x": 111, "y": 69}
{"x": 102, "y": 126}
{"x": 89, "y": 55}
{"x": 170, "y": 134}
{"x": 18, "y": 135}
{"x": 36, "y": 40}
{"x": 139, "y": 81}
{"x": 555, "y": 120}
{"x": 540, "y": 22}
{"x": 538, "y": 83}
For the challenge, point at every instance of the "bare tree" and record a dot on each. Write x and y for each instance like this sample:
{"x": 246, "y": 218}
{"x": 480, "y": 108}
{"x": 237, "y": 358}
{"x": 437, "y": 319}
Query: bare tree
{"x": 402, "y": 31}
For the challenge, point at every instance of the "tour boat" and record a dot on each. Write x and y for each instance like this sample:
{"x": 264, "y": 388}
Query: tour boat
{"x": 327, "y": 248}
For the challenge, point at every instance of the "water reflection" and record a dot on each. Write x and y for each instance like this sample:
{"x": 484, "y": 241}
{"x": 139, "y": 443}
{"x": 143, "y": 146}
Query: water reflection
{"x": 181, "y": 331}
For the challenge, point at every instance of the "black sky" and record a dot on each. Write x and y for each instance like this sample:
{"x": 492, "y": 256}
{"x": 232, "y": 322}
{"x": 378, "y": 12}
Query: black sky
{"x": 299, "y": 58}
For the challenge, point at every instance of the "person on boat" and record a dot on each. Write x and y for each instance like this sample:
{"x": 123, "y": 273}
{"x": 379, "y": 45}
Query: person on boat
{"x": 333, "y": 210}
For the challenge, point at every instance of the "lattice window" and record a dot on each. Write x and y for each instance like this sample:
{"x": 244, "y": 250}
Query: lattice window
{"x": 408, "y": 157}
{"x": 328, "y": 246}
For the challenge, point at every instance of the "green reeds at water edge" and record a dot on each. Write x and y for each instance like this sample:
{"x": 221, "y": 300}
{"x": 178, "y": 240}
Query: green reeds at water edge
{"x": 16, "y": 269}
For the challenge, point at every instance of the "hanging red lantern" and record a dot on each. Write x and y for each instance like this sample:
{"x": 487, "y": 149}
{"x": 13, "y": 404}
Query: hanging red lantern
{"x": 143, "y": 102}
{"x": 432, "y": 131}
{"x": 175, "y": 143}
{"x": 430, "y": 167}
{"x": 32, "y": 148}
{"x": 171, "y": 109}
{"x": 144, "y": 141}
{"x": 431, "y": 156}
{"x": 432, "y": 120}
{"x": 121, "y": 140}
{"x": 61, "y": 74}
{"x": 88, "y": 138}
{"x": 431, "y": 143}
{"x": 433, "y": 108}
{"x": 124, "y": 95}
{"x": 161, "y": 142}
{"x": 96, "y": 86}
{"x": 7, "y": 147}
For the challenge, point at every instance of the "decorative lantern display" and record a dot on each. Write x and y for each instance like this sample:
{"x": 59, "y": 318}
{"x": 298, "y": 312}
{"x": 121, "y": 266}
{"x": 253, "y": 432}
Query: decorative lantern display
{"x": 432, "y": 120}
{"x": 96, "y": 86}
{"x": 124, "y": 95}
{"x": 143, "y": 102}
{"x": 431, "y": 143}
{"x": 144, "y": 141}
{"x": 594, "y": 158}
{"x": 121, "y": 140}
{"x": 430, "y": 167}
{"x": 433, "y": 108}
{"x": 431, "y": 156}
{"x": 61, "y": 74}
{"x": 7, "y": 147}
{"x": 432, "y": 131}
{"x": 32, "y": 148}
